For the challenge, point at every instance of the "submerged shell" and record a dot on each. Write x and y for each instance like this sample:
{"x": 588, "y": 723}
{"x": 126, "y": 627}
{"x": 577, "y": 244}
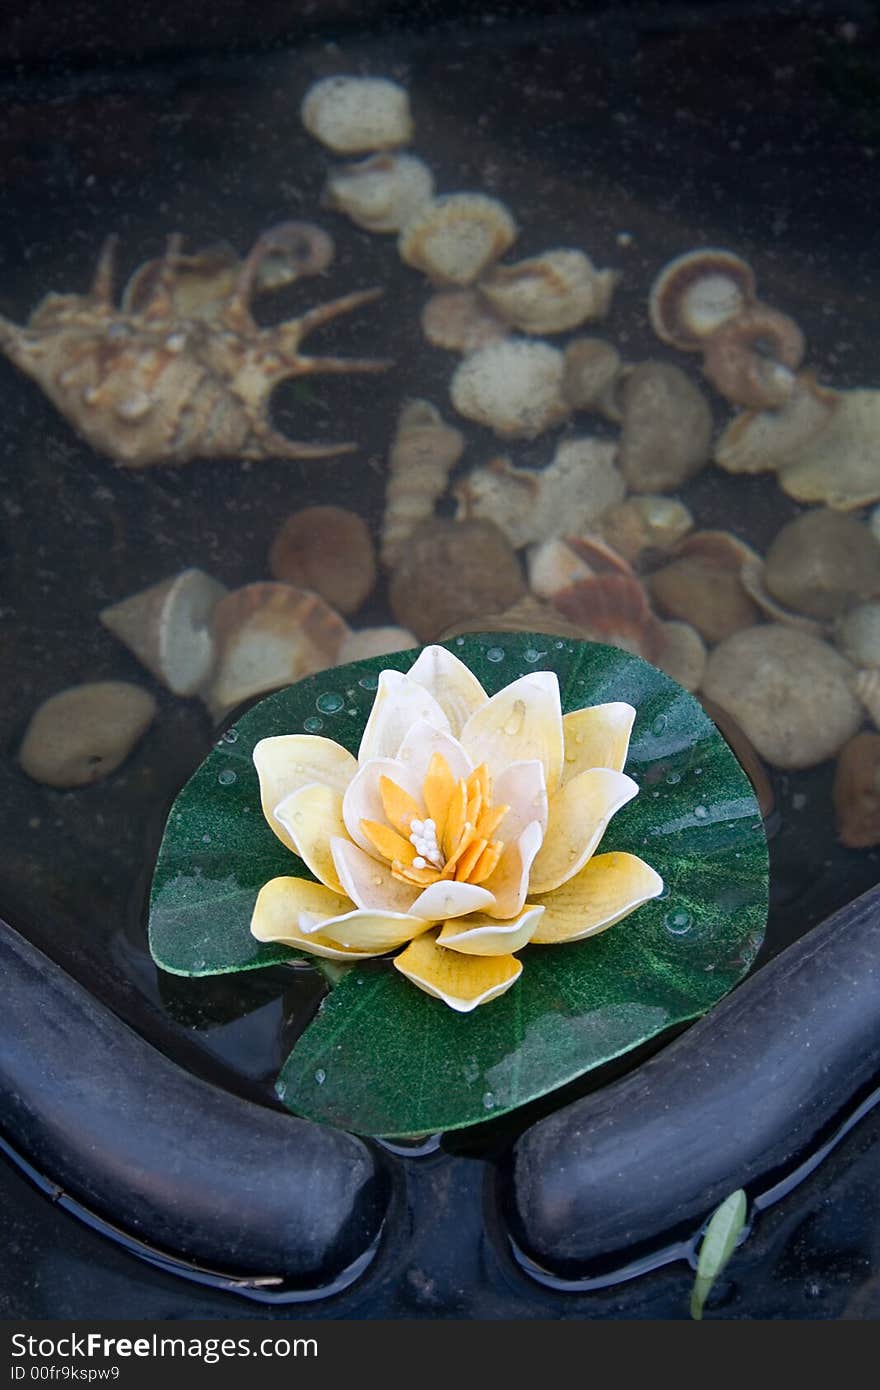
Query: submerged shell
{"x": 840, "y": 465}
{"x": 381, "y": 193}
{"x": 612, "y": 608}
{"x": 550, "y": 293}
{"x": 822, "y": 562}
{"x": 696, "y": 293}
{"x": 702, "y": 586}
{"x": 856, "y": 792}
{"x": 858, "y": 635}
{"x": 528, "y": 615}
{"x": 867, "y": 688}
{"x": 751, "y": 360}
{"x": 592, "y": 373}
{"x": 645, "y": 523}
{"x": 667, "y": 428}
{"x": 682, "y": 654}
{"x": 758, "y": 441}
{"x": 461, "y": 321}
{"x": 534, "y": 505}
{"x": 168, "y": 628}
{"x": 790, "y": 692}
{"x": 354, "y": 115}
{"x": 552, "y": 566}
{"x": 514, "y": 387}
{"x": 423, "y": 454}
{"x": 375, "y": 641}
{"x": 454, "y": 238}
{"x": 328, "y": 550}
{"x": 451, "y": 571}
{"x": 85, "y": 732}
{"x": 269, "y": 635}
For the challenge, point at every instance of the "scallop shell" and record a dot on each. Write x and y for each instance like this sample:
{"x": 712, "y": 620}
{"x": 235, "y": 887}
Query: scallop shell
{"x": 461, "y": 321}
{"x": 528, "y": 615}
{"x": 702, "y": 585}
{"x": 550, "y": 293}
{"x": 355, "y": 115}
{"x": 269, "y": 635}
{"x": 839, "y": 465}
{"x": 552, "y": 566}
{"x": 382, "y": 193}
{"x": 168, "y": 628}
{"x": 760, "y": 441}
{"x": 454, "y": 238}
{"x": 514, "y": 387}
{"x": 645, "y": 523}
{"x": 696, "y": 293}
{"x": 612, "y": 608}
{"x": 423, "y": 454}
{"x": 329, "y": 551}
{"x": 752, "y": 579}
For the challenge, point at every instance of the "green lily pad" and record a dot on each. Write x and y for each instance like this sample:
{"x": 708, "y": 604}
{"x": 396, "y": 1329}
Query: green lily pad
{"x": 383, "y": 1058}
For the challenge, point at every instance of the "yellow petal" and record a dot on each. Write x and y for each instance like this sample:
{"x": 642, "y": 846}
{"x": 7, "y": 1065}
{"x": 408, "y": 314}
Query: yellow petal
{"x": 468, "y": 860}
{"x": 597, "y": 737}
{"x": 399, "y": 703}
{"x": 463, "y": 982}
{"x": 437, "y": 790}
{"x": 387, "y": 841}
{"x": 373, "y": 932}
{"x": 454, "y": 687}
{"x": 579, "y": 814}
{"x": 607, "y": 889}
{"x": 487, "y": 862}
{"x": 291, "y": 761}
{"x": 523, "y": 721}
{"x": 400, "y": 808}
{"x": 312, "y": 817}
{"x": 455, "y": 821}
{"x": 486, "y": 936}
{"x": 276, "y": 916}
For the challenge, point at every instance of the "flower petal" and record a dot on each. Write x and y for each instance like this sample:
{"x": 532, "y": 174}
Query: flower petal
{"x": 460, "y": 981}
{"x": 510, "y": 881}
{"x": 368, "y": 882}
{"x": 399, "y": 702}
{"x": 446, "y": 898}
{"x": 486, "y": 936}
{"x": 277, "y": 912}
{"x": 290, "y": 761}
{"x": 421, "y": 743}
{"x": 523, "y": 721}
{"x": 375, "y": 932}
{"x": 597, "y": 737}
{"x": 454, "y": 687}
{"x": 311, "y": 817}
{"x": 522, "y": 788}
{"x": 579, "y": 813}
{"x": 363, "y": 799}
{"x": 608, "y": 888}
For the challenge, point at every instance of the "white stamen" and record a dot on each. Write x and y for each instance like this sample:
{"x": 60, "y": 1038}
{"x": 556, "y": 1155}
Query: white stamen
{"x": 419, "y": 862}
{"x": 418, "y": 827}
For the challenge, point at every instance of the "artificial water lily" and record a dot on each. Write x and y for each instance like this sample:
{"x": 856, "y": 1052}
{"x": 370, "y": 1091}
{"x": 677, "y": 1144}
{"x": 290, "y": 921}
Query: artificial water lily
{"x": 464, "y": 830}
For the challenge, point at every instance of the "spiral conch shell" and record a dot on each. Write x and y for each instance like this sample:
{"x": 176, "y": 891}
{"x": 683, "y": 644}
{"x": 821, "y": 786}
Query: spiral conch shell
{"x": 423, "y": 454}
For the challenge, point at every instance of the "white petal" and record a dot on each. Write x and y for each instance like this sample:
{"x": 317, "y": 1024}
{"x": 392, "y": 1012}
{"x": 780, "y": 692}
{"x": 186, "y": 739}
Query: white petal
{"x": 446, "y": 898}
{"x": 485, "y": 936}
{"x": 509, "y": 882}
{"x": 521, "y": 787}
{"x": 422, "y": 742}
{"x": 311, "y": 817}
{"x": 290, "y": 761}
{"x": 597, "y": 736}
{"x": 368, "y": 882}
{"x": 363, "y": 799}
{"x": 362, "y": 930}
{"x": 453, "y": 685}
{"x": 579, "y": 814}
{"x": 523, "y": 721}
{"x": 398, "y": 704}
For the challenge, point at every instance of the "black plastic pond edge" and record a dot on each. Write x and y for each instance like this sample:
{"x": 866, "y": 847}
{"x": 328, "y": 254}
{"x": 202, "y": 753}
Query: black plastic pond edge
{"x": 186, "y": 1175}
{"x": 742, "y": 1099}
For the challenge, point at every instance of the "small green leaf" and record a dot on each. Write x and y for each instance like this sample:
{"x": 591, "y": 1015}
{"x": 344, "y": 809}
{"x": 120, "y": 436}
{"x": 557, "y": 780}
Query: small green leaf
{"x": 717, "y": 1246}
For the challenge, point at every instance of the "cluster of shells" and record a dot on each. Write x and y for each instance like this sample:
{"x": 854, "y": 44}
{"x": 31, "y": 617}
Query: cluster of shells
{"x": 784, "y": 648}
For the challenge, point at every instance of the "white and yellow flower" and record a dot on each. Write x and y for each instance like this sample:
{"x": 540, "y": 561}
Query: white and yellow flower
{"x": 464, "y": 830}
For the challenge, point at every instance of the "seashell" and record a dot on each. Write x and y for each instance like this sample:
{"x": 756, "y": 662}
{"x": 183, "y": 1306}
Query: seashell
{"x": 514, "y": 387}
{"x": 461, "y": 321}
{"x": 874, "y": 524}
{"x": 549, "y": 293}
{"x": 822, "y": 562}
{"x": 553, "y": 566}
{"x": 454, "y": 238}
{"x": 667, "y": 428}
{"x": 269, "y": 635}
{"x": 790, "y": 692}
{"x": 85, "y": 732}
{"x": 746, "y": 754}
{"x": 856, "y": 792}
{"x": 838, "y": 465}
{"x": 696, "y": 293}
{"x": 751, "y": 577}
{"x": 451, "y": 571}
{"x": 867, "y": 686}
{"x": 612, "y": 608}
{"x": 530, "y": 506}
{"x": 759, "y": 441}
{"x": 381, "y": 193}
{"x": 528, "y": 615}
{"x": 682, "y": 654}
{"x": 354, "y": 115}
{"x": 168, "y": 628}
{"x": 328, "y": 550}
{"x": 645, "y": 523}
{"x": 858, "y": 635}
{"x": 598, "y": 555}
{"x": 375, "y": 641}
{"x": 592, "y": 374}
{"x": 702, "y": 585}
{"x": 752, "y": 358}
{"x": 423, "y": 454}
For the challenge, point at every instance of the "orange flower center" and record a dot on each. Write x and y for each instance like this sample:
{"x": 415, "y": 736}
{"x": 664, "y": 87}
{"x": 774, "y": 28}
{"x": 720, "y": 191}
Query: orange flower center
{"x": 448, "y": 836}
